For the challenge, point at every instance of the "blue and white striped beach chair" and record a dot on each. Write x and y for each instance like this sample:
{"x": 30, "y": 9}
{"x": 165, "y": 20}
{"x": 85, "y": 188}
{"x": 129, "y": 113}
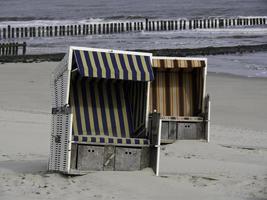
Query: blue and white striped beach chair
{"x": 100, "y": 111}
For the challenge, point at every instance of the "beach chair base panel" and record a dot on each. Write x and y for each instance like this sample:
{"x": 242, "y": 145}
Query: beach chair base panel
{"x": 173, "y": 130}
{"x": 108, "y": 158}
{"x": 130, "y": 159}
{"x": 169, "y": 130}
{"x": 90, "y": 157}
{"x": 190, "y": 131}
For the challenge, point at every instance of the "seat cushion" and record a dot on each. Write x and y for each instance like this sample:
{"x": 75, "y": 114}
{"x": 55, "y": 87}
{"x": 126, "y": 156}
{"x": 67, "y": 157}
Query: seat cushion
{"x": 102, "y": 140}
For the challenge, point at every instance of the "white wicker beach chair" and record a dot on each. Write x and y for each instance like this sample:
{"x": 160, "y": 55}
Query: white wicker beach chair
{"x": 100, "y": 112}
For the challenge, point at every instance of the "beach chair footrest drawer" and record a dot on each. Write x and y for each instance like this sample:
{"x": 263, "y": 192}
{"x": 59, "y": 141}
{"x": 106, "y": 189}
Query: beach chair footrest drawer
{"x": 108, "y": 158}
{"x": 190, "y": 131}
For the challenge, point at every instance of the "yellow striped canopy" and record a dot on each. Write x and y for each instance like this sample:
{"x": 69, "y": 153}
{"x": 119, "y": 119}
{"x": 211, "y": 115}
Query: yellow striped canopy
{"x": 110, "y": 65}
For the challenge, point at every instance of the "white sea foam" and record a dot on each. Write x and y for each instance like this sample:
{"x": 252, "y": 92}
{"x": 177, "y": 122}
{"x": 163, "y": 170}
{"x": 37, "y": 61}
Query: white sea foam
{"x": 34, "y": 23}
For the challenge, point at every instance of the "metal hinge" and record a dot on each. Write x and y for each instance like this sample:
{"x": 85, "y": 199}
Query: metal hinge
{"x": 62, "y": 110}
{"x": 57, "y": 138}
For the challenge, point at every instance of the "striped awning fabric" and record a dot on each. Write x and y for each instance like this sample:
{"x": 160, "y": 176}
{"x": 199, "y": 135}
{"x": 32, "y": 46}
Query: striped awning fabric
{"x": 102, "y": 140}
{"x": 108, "y": 65}
{"x": 177, "y": 63}
{"x": 177, "y": 93}
{"x": 105, "y": 111}
{"x": 99, "y": 107}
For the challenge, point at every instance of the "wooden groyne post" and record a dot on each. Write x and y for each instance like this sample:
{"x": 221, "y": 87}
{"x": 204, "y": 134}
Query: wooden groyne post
{"x": 12, "y": 49}
{"x": 9, "y": 32}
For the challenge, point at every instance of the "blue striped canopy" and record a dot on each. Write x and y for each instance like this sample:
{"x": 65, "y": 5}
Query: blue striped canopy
{"x": 114, "y": 65}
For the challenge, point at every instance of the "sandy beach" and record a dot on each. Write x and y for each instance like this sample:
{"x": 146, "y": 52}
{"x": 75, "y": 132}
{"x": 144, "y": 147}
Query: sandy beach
{"x": 232, "y": 166}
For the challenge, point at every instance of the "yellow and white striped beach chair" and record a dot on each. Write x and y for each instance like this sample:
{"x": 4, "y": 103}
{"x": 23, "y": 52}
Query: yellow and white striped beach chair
{"x": 100, "y": 112}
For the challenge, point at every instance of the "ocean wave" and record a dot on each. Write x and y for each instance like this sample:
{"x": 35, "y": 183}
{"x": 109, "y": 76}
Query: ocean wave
{"x": 127, "y": 17}
{"x": 48, "y": 22}
{"x": 22, "y": 19}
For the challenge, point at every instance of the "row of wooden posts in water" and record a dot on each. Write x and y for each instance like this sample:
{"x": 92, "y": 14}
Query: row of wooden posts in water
{"x": 12, "y": 49}
{"x": 10, "y": 32}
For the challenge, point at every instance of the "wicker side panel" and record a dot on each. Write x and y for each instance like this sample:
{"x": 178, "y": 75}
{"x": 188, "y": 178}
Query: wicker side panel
{"x": 60, "y": 126}
{"x": 59, "y": 143}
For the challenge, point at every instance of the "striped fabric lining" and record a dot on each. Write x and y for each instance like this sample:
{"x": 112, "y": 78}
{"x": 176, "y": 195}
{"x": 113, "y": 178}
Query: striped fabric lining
{"x": 177, "y": 93}
{"x": 99, "y": 108}
{"x": 109, "y": 140}
{"x": 137, "y": 96}
{"x": 113, "y": 65}
{"x": 173, "y": 63}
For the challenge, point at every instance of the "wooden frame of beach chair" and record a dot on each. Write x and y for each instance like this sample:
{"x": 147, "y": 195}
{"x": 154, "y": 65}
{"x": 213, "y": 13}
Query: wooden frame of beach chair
{"x": 100, "y": 112}
{"x": 178, "y": 93}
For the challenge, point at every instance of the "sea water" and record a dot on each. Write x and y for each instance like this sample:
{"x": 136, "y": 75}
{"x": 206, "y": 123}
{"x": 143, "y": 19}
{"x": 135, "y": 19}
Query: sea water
{"x": 51, "y": 12}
